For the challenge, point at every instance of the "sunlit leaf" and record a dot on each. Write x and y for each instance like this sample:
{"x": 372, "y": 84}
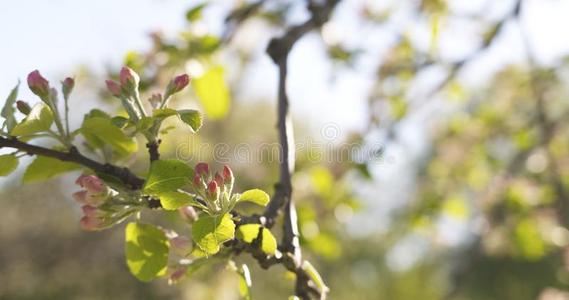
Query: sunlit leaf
{"x": 167, "y": 176}
{"x": 209, "y": 232}
{"x": 175, "y": 200}
{"x": 146, "y": 249}
{"x": 8, "y": 164}
{"x": 43, "y": 168}
{"x": 249, "y": 232}
{"x": 38, "y": 120}
{"x": 213, "y": 92}
{"x": 101, "y": 131}
{"x": 256, "y": 196}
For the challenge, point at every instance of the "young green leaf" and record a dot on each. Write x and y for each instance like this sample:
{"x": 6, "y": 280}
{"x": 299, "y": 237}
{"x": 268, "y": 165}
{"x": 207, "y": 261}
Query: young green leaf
{"x": 146, "y": 249}
{"x": 43, "y": 168}
{"x": 167, "y": 176}
{"x": 39, "y": 119}
{"x": 8, "y": 163}
{"x": 209, "y": 232}
{"x": 189, "y": 116}
{"x": 314, "y": 276}
{"x": 249, "y": 232}
{"x": 175, "y": 200}
{"x": 245, "y": 282}
{"x": 212, "y": 92}
{"x": 192, "y": 118}
{"x": 100, "y": 131}
{"x": 8, "y": 109}
{"x": 269, "y": 244}
{"x": 256, "y": 196}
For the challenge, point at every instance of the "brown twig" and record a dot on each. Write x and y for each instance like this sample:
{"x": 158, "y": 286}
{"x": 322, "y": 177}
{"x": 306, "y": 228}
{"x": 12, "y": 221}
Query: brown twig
{"x": 279, "y": 50}
{"x": 122, "y": 174}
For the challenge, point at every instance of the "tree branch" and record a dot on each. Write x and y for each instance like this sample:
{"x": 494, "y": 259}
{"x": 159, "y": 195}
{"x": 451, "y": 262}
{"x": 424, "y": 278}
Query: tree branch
{"x": 123, "y": 174}
{"x": 279, "y": 50}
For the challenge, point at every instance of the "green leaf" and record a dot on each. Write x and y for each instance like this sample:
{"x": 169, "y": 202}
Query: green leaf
{"x": 100, "y": 131}
{"x": 195, "y": 13}
{"x": 164, "y": 113}
{"x": 213, "y": 92}
{"x": 209, "y": 232}
{"x": 43, "y": 168}
{"x": 167, "y": 176}
{"x": 191, "y": 117}
{"x": 244, "y": 282}
{"x": 249, "y": 232}
{"x": 8, "y": 109}
{"x": 269, "y": 244}
{"x": 39, "y": 119}
{"x": 146, "y": 250}
{"x": 314, "y": 275}
{"x": 175, "y": 200}
{"x": 8, "y": 164}
{"x": 256, "y": 196}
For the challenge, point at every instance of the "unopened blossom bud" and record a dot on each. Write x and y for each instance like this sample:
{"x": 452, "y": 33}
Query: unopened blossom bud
{"x": 155, "y": 100}
{"x": 213, "y": 189}
{"x": 177, "y": 273}
{"x": 188, "y": 213}
{"x": 23, "y": 107}
{"x": 38, "y": 85}
{"x": 202, "y": 169}
{"x": 91, "y": 211}
{"x": 228, "y": 178}
{"x": 129, "y": 79}
{"x": 218, "y": 179}
{"x": 67, "y": 86}
{"x": 92, "y": 184}
{"x": 91, "y": 223}
{"x": 177, "y": 84}
{"x": 198, "y": 181}
{"x": 80, "y": 197}
{"x": 180, "y": 245}
{"x": 114, "y": 88}
{"x": 227, "y": 173}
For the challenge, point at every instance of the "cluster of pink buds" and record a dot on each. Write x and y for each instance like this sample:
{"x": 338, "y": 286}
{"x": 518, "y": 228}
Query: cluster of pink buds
{"x": 214, "y": 188}
{"x": 128, "y": 85}
{"x": 95, "y": 193}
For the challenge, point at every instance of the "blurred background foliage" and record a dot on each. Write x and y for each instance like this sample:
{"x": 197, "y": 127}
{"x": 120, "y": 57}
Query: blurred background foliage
{"x": 484, "y": 213}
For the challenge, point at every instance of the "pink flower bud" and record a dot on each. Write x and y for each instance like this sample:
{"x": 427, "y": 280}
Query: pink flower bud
{"x": 180, "y": 245}
{"x": 155, "y": 100}
{"x": 129, "y": 79}
{"x": 114, "y": 88}
{"x": 198, "y": 181}
{"x": 80, "y": 197}
{"x": 227, "y": 173}
{"x": 91, "y": 223}
{"x": 38, "y": 85}
{"x": 177, "y": 84}
{"x": 23, "y": 107}
{"x": 213, "y": 189}
{"x": 91, "y": 211}
{"x": 177, "y": 274}
{"x": 67, "y": 86}
{"x": 218, "y": 179}
{"x": 92, "y": 184}
{"x": 188, "y": 213}
{"x": 202, "y": 169}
